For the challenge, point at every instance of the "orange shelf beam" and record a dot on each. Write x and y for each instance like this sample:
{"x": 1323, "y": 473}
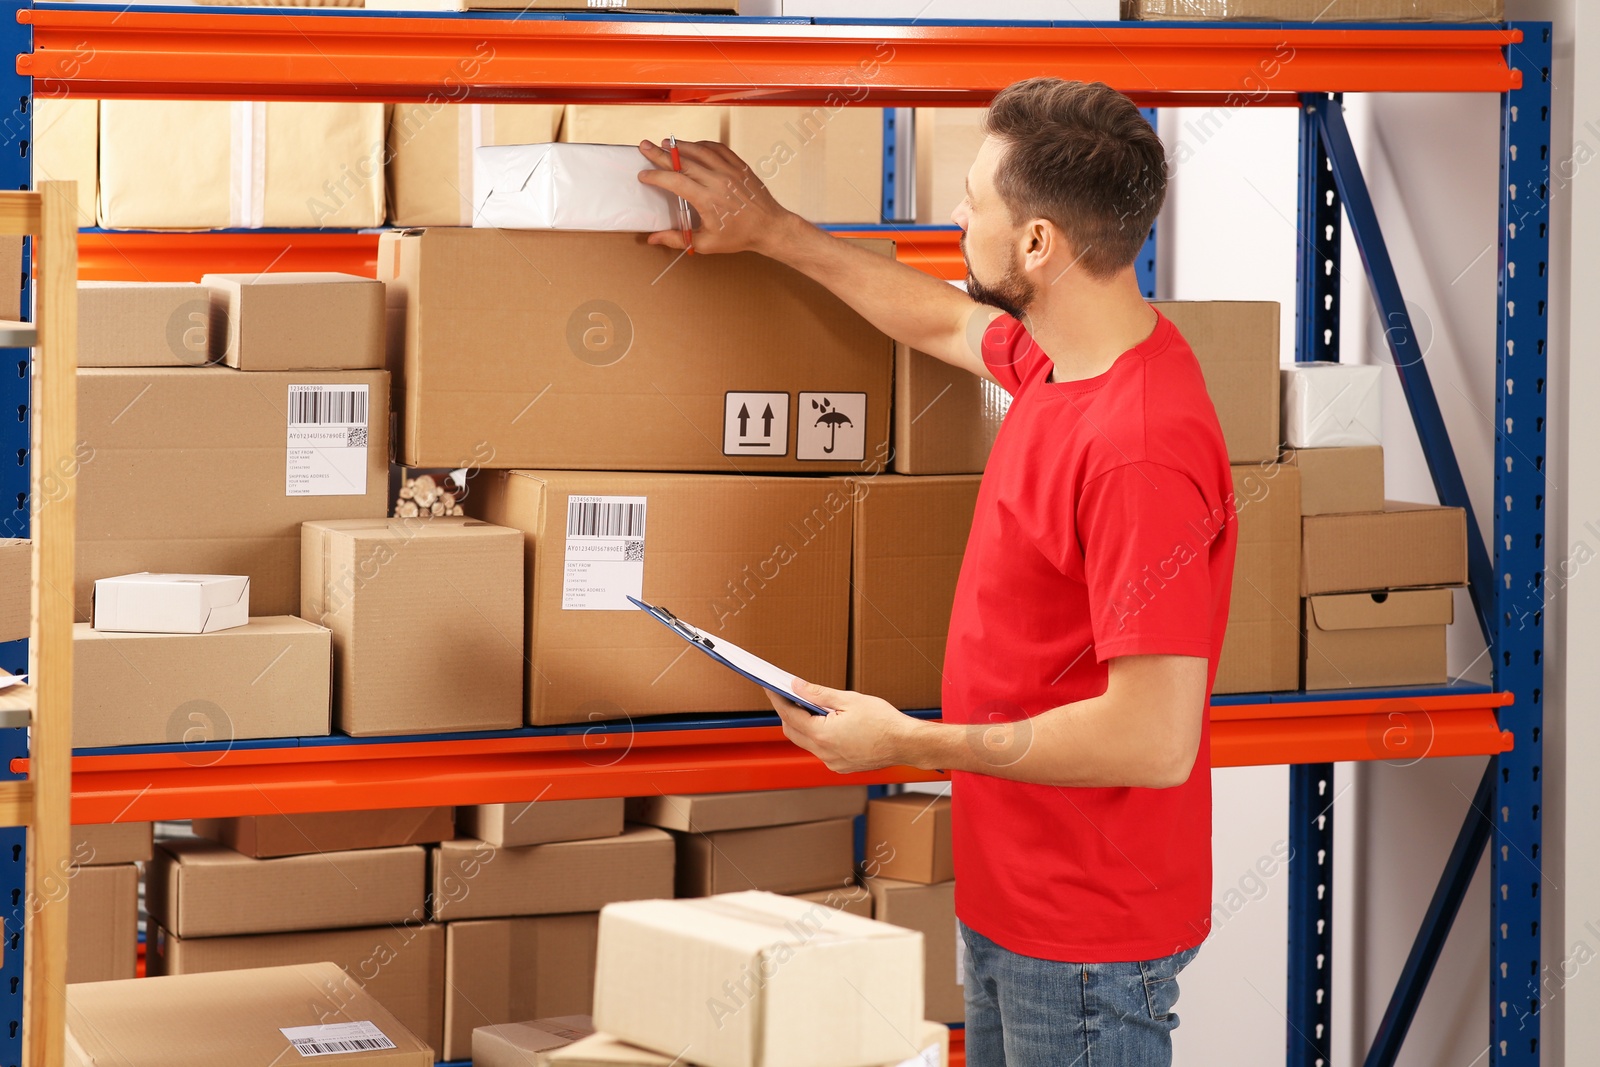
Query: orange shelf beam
{"x": 89, "y": 52}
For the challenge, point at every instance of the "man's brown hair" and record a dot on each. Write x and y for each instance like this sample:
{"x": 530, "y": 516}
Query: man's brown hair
{"x": 1080, "y": 155}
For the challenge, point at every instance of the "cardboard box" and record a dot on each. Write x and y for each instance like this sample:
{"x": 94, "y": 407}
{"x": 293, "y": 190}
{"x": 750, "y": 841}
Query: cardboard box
{"x": 662, "y": 962}
{"x": 1403, "y": 546}
{"x": 947, "y": 141}
{"x": 102, "y": 922}
{"x": 540, "y": 822}
{"x": 475, "y": 880}
{"x": 763, "y": 562}
{"x": 201, "y": 1020}
{"x": 398, "y": 593}
{"x": 400, "y": 966}
{"x": 796, "y": 858}
{"x": 569, "y": 187}
{"x": 269, "y": 836}
{"x": 1261, "y": 648}
{"x": 431, "y": 161}
{"x": 945, "y": 418}
{"x": 100, "y": 844}
{"x": 166, "y": 164}
{"x": 16, "y": 588}
{"x": 930, "y": 909}
{"x": 171, "y": 603}
{"x": 1236, "y": 342}
{"x": 1338, "y": 480}
{"x": 143, "y": 324}
{"x": 502, "y": 970}
{"x": 910, "y": 537}
{"x": 1332, "y": 405}
{"x": 824, "y": 163}
{"x": 630, "y": 124}
{"x": 1387, "y": 638}
{"x": 852, "y": 898}
{"x": 709, "y": 812}
{"x": 1319, "y": 10}
{"x": 908, "y": 838}
{"x": 617, "y": 351}
{"x": 66, "y": 148}
{"x": 521, "y": 1044}
{"x": 198, "y": 888}
{"x": 296, "y": 320}
{"x": 219, "y": 437}
{"x": 267, "y": 679}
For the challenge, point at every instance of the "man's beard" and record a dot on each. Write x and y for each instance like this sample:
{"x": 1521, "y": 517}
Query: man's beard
{"x": 1013, "y": 293}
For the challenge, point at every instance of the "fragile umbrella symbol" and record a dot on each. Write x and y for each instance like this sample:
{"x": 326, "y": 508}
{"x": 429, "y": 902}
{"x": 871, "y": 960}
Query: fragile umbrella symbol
{"x": 832, "y": 419}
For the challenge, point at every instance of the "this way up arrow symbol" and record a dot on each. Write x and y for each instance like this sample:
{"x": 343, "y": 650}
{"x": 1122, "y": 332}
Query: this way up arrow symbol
{"x": 744, "y": 419}
{"x": 766, "y": 422}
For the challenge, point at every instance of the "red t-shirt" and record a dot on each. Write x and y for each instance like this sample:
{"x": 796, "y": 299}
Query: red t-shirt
{"x": 1104, "y": 527}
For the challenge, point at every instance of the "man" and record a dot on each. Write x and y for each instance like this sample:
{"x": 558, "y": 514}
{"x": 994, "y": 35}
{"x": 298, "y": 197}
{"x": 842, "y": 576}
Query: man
{"x": 1092, "y": 600}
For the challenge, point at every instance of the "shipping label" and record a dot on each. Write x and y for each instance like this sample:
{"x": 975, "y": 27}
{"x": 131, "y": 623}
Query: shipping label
{"x": 336, "y": 1039}
{"x": 326, "y": 451}
{"x": 605, "y": 553}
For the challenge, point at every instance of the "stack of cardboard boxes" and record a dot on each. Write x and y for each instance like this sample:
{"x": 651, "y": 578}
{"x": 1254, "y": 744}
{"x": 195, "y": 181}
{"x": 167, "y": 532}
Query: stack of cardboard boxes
{"x": 101, "y": 887}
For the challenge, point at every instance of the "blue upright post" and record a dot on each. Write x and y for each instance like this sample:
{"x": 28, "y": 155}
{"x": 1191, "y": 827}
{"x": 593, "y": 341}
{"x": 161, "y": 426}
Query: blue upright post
{"x": 891, "y": 165}
{"x": 1145, "y": 267}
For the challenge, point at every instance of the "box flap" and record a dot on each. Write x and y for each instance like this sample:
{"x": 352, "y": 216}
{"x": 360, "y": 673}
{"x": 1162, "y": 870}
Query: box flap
{"x": 1396, "y": 607}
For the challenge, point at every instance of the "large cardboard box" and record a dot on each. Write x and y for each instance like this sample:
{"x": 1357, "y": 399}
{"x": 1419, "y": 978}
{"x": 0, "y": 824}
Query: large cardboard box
{"x": 852, "y": 898}
{"x": 1261, "y": 648}
{"x": 1403, "y": 546}
{"x": 1386, "y": 638}
{"x": 522, "y": 1044}
{"x": 1338, "y": 480}
{"x": 400, "y": 966}
{"x": 265, "y": 679}
{"x": 102, "y": 922}
{"x": 947, "y": 141}
{"x": 659, "y": 981}
{"x": 1236, "y": 342}
{"x": 296, "y": 320}
{"x": 401, "y": 592}
{"x": 233, "y": 1017}
{"x": 1319, "y": 10}
{"x": 910, "y": 537}
{"x": 143, "y": 324}
{"x": 539, "y": 822}
{"x": 430, "y": 171}
{"x": 202, "y": 164}
{"x": 927, "y": 1047}
{"x": 66, "y": 148}
{"x": 930, "y": 909}
{"x": 796, "y": 858}
{"x": 269, "y": 836}
{"x": 630, "y": 124}
{"x": 198, "y": 888}
{"x": 909, "y": 838}
{"x": 248, "y": 475}
{"x": 708, "y": 812}
{"x": 945, "y": 418}
{"x": 597, "y": 351}
{"x": 113, "y": 842}
{"x": 762, "y": 562}
{"x": 502, "y": 970}
{"x": 824, "y": 163}
{"x": 475, "y": 880}
{"x": 16, "y": 588}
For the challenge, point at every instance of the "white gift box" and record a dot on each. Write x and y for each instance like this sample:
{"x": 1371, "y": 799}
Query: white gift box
{"x": 171, "y": 603}
{"x": 1332, "y": 405}
{"x": 568, "y": 187}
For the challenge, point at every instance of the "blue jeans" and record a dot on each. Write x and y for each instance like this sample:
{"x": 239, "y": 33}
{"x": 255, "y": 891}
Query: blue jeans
{"x": 1026, "y": 1012}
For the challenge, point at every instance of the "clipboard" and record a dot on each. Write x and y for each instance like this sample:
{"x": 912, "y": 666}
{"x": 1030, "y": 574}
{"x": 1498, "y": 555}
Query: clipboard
{"x": 747, "y": 664}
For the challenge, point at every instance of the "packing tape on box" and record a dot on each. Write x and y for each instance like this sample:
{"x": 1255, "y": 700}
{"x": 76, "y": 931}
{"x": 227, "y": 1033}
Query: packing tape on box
{"x": 247, "y": 185}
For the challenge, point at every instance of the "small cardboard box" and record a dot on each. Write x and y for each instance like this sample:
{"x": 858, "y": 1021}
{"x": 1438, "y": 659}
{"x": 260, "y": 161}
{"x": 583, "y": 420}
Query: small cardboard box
{"x": 630, "y": 124}
{"x": 266, "y": 679}
{"x": 1403, "y": 546}
{"x": 239, "y": 1017}
{"x": 1261, "y": 649}
{"x": 663, "y": 964}
{"x": 539, "y": 822}
{"x": 502, "y": 970}
{"x": 400, "y": 966}
{"x": 475, "y": 880}
{"x": 762, "y": 562}
{"x": 910, "y": 537}
{"x": 294, "y": 320}
{"x": 852, "y": 898}
{"x": 16, "y": 588}
{"x": 930, "y": 909}
{"x": 568, "y": 187}
{"x": 945, "y": 418}
{"x": 198, "y": 888}
{"x": 1318, "y": 10}
{"x": 1236, "y": 342}
{"x": 931, "y": 1048}
{"x": 171, "y": 603}
{"x": 401, "y": 592}
{"x": 66, "y": 148}
{"x": 430, "y": 169}
{"x": 909, "y": 838}
{"x": 947, "y": 141}
{"x": 796, "y": 858}
{"x": 143, "y": 324}
{"x": 1332, "y": 405}
{"x": 1338, "y": 480}
{"x": 102, "y": 922}
{"x": 114, "y": 842}
{"x": 269, "y": 836}
{"x": 525, "y": 1044}
{"x": 825, "y": 164}
{"x": 1387, "y": 638}
{"x": 709, "y": 812}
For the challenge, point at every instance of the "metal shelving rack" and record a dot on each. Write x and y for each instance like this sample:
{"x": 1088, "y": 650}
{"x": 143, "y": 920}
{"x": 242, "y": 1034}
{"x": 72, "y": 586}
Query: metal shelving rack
{"x": 338, "y": 54}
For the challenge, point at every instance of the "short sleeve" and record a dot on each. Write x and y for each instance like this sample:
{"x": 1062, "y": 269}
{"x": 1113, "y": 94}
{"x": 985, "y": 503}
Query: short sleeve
{"x": 1146, "y": 533}
{"x": 1009, "y": 352}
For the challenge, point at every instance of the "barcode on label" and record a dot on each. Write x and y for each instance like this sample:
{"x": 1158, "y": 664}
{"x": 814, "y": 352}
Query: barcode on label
{"x": 604, "y": 519}
{"x": 315, "y": 405}
{"x": 331, "y": 1048}
{"x": 333, "y": 1039}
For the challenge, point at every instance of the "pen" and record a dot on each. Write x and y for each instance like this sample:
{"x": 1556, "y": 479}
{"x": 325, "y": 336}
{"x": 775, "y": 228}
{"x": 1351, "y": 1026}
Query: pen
{"x": 683, "y": 205}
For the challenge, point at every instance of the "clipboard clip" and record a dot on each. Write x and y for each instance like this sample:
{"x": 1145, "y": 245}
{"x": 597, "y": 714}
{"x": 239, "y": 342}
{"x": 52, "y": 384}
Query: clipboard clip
{"x": 687, "y": 631}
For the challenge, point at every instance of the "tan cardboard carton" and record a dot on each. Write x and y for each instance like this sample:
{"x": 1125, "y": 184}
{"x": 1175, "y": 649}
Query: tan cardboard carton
{"x": 945, "y": 418}
{"x": 502, "y": 970}
{"x": 630, "y": 124}
{"x": 265, "y": 679}
{"x": 268, "y": 836}
{"x": 1338, "y": 480}
{"x": 524, "y": 1044}
{"x": 296, "y": 320}
{"x": 663, "y": 964}
{"x": 248, "y": 480}
{"x": 475, "y": 880}
{"x": 707, "y": 812}
{"x": 1388, "y": 638}
{"x": 852, "y": 898}
{"x": 763, "y": 562}
{"x": 431, "y": 158}
{"x": 796, "y": 858}
{"x": 113, "y": 842}
{"x": 1261, "y": 649}
{"x": 1318, "y": 10}
{"x": 16, "y": 588}
{"x": 143, "y": 324}
{"x": 540, "y": 822}
{"x": 102, "y": 922}
{"x": 198, "y": 888}
{"x": 1236, "y": 342}
{"x": 826, "y": 164}
{"x": 930, "y": 909}
{"x": 929, "y": 1046}
{"x": 66, "y": 148}
{"x": 908, "y": 838}
{"x": 235, "y": 1017}
{"x": 1419, "y": 545}
{"x": 947, "y": 140}
{"x": 399, "y": 966}
{"x": 400, "y": 592}
{"x": 636, "y": 359}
